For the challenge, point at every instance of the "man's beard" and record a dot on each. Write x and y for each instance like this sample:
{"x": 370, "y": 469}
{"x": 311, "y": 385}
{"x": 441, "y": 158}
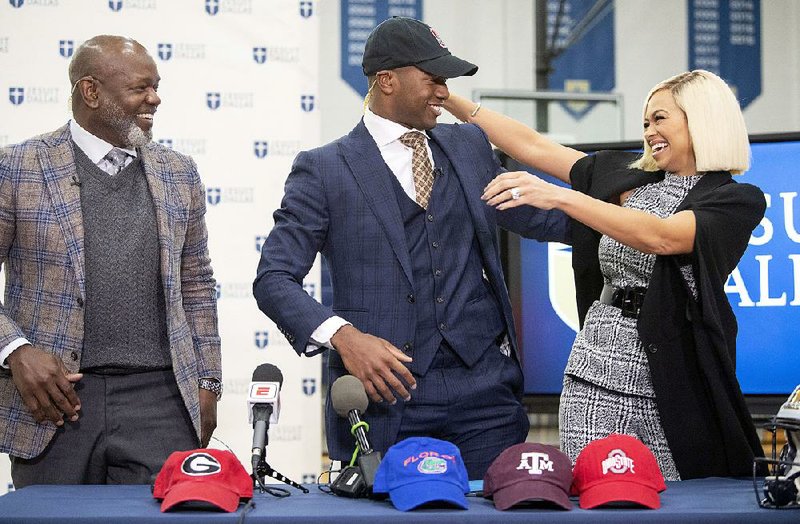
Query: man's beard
{"x": 131, "y": 134}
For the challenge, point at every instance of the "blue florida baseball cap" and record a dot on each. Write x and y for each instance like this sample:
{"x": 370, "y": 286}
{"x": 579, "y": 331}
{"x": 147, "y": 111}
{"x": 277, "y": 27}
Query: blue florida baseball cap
{"x": 419, "y": 470}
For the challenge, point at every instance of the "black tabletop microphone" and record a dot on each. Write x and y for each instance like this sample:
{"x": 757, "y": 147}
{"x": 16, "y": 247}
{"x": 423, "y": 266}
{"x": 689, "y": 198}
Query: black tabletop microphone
{"x": 264, "y": 406}
{"x": 350, "y": 400}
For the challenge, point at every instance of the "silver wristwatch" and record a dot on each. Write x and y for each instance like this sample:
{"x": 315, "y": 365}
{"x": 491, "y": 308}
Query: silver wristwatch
{"x": 211, "y": 384}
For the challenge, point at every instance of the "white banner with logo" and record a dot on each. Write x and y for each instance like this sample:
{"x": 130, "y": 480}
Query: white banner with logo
{"x": 239, "y": 89}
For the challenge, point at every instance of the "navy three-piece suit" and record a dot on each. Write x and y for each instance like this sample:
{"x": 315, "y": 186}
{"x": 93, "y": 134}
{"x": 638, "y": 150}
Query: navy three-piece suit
{"x": 428, "y": 281}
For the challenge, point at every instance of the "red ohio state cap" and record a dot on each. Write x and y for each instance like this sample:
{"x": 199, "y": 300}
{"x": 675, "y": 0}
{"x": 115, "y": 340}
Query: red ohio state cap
{"x": 212, "y": 476}
{"x": 617, "y": 469}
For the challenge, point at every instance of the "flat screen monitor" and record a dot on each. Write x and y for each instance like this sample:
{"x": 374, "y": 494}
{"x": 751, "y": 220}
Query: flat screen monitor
{"x": 764, "y": 289}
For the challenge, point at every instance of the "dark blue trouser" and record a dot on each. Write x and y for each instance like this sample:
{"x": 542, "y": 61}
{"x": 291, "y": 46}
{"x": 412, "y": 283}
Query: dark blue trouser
{"x": 478, "y": 409}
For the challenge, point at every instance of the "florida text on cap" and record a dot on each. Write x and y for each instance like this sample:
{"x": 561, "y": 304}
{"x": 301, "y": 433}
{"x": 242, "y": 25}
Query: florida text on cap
{"x": 420, "y": 470}
{"x": 400, "y": 42}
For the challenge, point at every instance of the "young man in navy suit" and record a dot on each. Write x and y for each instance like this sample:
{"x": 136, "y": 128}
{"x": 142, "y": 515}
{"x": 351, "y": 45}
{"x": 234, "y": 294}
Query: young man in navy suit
{"x": 420, "y": 313}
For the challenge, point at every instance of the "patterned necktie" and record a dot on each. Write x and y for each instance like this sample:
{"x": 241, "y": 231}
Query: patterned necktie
{"x": 421, "y": 166}
{"x": 116, "y": 158}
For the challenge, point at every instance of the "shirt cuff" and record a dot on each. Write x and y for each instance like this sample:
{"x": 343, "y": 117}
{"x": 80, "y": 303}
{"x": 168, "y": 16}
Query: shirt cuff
{"x": 321, "y": 337}
{"x": 10, "y": 349}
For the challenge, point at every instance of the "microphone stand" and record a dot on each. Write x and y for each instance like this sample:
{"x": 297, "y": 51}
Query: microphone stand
{"x": 368, "y": 459}
{"x": 356, "y": 479}
{"x": 263, "y": 469}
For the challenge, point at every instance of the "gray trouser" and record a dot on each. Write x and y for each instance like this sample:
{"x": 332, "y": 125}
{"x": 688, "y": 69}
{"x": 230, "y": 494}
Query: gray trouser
{"x": 128, "y": 426}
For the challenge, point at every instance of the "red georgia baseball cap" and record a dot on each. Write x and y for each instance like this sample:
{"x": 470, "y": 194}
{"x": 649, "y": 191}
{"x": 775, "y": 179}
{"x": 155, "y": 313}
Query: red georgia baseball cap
{"x": 617, "y": 469}
{"x": 203, "y": 475}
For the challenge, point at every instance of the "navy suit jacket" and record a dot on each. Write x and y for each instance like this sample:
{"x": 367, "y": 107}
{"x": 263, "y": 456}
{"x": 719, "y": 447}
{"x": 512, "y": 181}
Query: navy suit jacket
{"x": 339, "y": 201}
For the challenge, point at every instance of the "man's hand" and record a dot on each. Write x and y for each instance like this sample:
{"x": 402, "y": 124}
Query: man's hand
{"x": 375, "y": 362}
{"x": 208, "y": 416}
{"x": 45, "y": 384}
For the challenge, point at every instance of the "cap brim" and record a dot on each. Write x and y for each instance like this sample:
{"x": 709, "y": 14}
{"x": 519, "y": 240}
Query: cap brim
{"x": 447, "y": 66}
{"x": 415, "y": 494}
{"x": 530, "y": 490}
{"x": 215, "y": 494}
{"x": 608, "y": 492}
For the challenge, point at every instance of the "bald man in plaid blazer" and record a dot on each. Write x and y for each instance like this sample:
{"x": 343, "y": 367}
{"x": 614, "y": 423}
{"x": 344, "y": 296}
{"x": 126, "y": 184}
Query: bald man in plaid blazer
{"x": 59, "y": 422}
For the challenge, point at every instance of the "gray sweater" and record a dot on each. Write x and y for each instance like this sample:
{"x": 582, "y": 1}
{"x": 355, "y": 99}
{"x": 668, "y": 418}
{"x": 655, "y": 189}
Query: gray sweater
{"x": 125, "y": 314}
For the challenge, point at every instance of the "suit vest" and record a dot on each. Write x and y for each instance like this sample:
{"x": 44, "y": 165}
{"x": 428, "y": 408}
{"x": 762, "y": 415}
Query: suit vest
{"x": 453, "y": 300}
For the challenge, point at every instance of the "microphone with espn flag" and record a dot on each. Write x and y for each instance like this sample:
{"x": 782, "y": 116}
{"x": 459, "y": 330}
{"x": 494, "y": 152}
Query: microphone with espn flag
{"x": 263, "y": 406}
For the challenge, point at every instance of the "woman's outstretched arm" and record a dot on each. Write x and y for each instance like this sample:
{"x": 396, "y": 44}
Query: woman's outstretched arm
{"x": 516, "y": 139}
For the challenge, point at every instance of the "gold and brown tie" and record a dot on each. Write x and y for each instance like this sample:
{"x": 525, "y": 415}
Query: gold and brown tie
{"x": 421, "y": 166}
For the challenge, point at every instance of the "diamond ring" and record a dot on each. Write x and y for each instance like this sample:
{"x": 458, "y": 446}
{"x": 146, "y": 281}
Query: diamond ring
{"x": 515, "y": 194}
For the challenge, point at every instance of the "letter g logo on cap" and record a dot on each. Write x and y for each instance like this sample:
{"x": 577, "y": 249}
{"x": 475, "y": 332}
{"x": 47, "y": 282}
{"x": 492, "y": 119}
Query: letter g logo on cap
{"x": 198, "y": 464}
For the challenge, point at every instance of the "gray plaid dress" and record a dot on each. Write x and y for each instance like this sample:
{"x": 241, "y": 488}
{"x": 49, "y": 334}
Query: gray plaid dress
{"x": 607, "y": 385}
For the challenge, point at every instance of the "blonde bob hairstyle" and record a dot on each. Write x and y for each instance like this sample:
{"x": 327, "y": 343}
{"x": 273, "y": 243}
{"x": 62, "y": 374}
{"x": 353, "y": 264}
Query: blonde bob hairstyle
{"x": 716, "y": 125}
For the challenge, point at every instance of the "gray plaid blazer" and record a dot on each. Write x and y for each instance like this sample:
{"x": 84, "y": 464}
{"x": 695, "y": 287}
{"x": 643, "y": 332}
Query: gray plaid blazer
{"x": 41, "y": 247}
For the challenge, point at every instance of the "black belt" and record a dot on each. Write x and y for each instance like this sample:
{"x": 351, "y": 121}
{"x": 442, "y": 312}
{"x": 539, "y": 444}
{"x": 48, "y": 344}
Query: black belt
{"x": 628, "y": 299}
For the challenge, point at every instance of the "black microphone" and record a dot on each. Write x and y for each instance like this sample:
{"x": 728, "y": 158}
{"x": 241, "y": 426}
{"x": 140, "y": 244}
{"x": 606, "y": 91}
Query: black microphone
{"x": 75, "y": 181}
{"x": 437, "y": 172}
{"x": 263, "y": 401}
{"x": 350, "y": 400}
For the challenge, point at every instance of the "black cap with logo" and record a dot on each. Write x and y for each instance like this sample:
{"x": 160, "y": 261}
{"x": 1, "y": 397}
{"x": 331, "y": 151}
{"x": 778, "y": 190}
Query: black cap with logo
{"x": 400, "y": 42}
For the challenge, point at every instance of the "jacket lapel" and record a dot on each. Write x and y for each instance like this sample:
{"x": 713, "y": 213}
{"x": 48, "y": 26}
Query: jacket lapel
{"x": 60, "y": 177}
{"x": 460, "y": 158}
{"x": 464, "y": 169}
{"x": 372, "y": 176}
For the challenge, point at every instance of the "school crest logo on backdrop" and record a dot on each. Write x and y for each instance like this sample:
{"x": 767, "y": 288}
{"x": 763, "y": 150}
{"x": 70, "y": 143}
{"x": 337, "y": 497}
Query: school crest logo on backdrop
{"x": 309, "y": 386}
{"x": 66, "y": 48}
{"x": 165, "y": 51}
{"x": 306, "y": 8}
{"x": 213, "y": 100}
{"x": 260, "y": 148}
{"x": 307, "y": 103}
{"x": 16, "y": 95}
{"x": 262, "y": 339}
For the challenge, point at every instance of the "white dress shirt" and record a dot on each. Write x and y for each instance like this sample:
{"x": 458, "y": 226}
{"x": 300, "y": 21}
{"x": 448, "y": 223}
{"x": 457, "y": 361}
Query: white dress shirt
{"x": 96, "y": 148}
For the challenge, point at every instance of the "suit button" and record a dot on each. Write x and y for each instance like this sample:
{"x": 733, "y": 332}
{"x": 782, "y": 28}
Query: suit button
{"x": 430, "y": 218}
{"x": 435, "y": 244}
{"x": 652, "y": 348}
{"x": 439, "y": 300}
{"x": 73, "y": 356}
{"x": 411, "y": 298}
{"x": 407, "y": 347}
{"x": 80, "y": 301}
{"x": 437, "y": 273}
{"x": 443, "y": 326}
